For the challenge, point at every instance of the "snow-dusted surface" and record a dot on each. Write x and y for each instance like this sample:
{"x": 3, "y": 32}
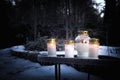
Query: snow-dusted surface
{"x": 110, "y": 51}
{"x": 14, "y": 68}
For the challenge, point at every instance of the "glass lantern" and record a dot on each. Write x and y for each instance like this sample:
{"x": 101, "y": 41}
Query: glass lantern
{"x": 69, "y": 48}
{"x": 51, "y": 47}
{"x": 93, "y": 47}
{"x": 82, "y": 43}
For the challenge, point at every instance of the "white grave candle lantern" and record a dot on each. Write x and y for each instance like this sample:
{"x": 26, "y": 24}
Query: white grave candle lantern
{"x": 51, "y": 47}
{"x": 69, "y": 48}
{"x": 93, "y": 47}
{"x": 82, "y": 44}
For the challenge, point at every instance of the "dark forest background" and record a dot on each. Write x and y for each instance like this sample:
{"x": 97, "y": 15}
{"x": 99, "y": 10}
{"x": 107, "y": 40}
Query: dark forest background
{"x": 30, "y": 20}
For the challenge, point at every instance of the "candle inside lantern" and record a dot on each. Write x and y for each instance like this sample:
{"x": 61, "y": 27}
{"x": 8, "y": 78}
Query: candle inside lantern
{"x": 51, "y": 47}
{"x": 82, "y": 43}
{"x": 69, "y": 48}
{"x": 93, "y": 47}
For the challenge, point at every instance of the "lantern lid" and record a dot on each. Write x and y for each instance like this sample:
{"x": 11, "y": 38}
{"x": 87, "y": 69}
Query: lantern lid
{"x": 94, "y": 40}
{"x": 83, "y": 32}
{"x": 51, "y": 40}
{"x": 69, "y": 41}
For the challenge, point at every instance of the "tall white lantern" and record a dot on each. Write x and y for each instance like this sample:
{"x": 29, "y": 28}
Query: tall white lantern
{"x": 51, "y": 47}
{"x": 82, "y": 43}
{"x": 93, "y": 47}
{"x": 69, "y": 48}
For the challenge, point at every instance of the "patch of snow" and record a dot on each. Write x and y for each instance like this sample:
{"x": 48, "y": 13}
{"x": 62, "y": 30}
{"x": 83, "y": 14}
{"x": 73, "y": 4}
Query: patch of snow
{"x": 6, "y": 50}
{"x": 110, "y": 51}
{"x": 20, "y": 48}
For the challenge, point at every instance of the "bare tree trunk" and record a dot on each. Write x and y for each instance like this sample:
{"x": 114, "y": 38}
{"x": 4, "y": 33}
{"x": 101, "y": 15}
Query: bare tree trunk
{"x": 67, "y": 23}
{"x": 35, "y": 21}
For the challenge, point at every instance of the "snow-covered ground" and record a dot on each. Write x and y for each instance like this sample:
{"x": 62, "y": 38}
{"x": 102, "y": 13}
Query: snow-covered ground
{"x": 14, "y": 68}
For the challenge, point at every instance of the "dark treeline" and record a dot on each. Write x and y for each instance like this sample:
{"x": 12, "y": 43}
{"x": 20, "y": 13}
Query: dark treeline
{"x": 29, "y": 19}
{"x": 112, "y": 22}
